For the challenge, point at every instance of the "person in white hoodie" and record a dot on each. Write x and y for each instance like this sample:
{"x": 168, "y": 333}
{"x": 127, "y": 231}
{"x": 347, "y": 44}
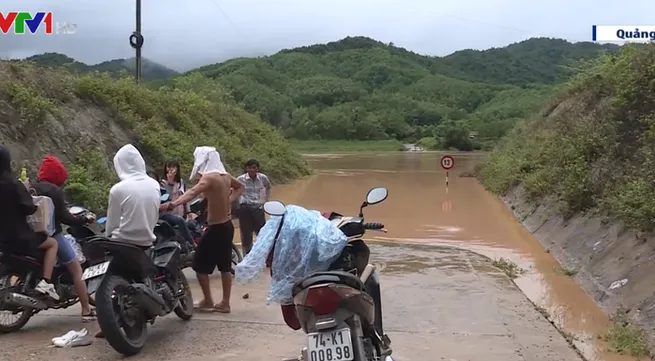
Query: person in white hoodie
{"x": 133, "y": 208}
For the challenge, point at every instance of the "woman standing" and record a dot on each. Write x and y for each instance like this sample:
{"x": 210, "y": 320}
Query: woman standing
{"x": 171, "y": 181}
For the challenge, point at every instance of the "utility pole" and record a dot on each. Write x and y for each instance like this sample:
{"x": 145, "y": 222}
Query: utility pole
{"x": 136, "y": 41}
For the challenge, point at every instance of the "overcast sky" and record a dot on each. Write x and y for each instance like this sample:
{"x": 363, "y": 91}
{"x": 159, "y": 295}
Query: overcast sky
{"x": 184, "y": 34}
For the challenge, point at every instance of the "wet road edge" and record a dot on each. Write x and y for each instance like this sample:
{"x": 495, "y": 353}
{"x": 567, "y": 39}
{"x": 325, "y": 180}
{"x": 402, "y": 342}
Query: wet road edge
{"x": 567, "y": 337}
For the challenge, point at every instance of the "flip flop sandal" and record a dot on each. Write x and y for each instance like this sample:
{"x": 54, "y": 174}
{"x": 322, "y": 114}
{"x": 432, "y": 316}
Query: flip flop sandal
{"x": 221, "y": 309}
{"x": 89, "y": 317}
{"x": 203, "y": 307}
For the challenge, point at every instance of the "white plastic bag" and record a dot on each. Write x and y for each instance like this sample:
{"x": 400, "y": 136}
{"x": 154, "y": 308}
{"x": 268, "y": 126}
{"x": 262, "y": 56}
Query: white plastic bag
{"x": 76, "y": 246}
{"x": 43, "y": 220}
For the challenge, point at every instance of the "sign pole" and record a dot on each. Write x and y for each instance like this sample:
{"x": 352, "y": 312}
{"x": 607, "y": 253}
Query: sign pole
{"x": 138, "y": 33}
{"x": 447, "y": 163}
{"x": 136, "y": 42}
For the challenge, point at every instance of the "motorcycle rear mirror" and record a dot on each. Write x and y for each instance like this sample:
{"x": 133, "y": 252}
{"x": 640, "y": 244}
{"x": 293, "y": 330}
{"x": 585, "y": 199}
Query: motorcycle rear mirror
{"x": 101, "y": 220}
{"x": 376, "y": 195}
{"x": 275, "y": 208}
{"x": 164, "y": 197}
{"x": 75, "y": 210}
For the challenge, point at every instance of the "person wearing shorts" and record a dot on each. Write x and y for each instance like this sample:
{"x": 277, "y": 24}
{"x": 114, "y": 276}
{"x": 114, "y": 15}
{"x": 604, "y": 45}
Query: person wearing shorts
{"x": 51, "y": 180}
{"x": 215, "y": 249}
{"x": 220, "y": 190}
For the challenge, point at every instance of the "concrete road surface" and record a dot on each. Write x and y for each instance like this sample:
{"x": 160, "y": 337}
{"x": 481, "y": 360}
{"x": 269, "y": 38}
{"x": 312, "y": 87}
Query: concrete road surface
{"x": 438, "y": 304}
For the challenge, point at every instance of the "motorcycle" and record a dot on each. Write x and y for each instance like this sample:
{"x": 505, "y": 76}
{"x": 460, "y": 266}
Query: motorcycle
{"x": 19, "y": 273}
{"x": 197, "y": 224}
{"x": 340, "y": 309}
{"x": 137, "y": 285}
{"x": 187, "y": 249}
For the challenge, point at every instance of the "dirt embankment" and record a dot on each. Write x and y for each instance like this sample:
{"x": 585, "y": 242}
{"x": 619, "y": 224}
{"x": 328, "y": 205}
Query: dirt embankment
{"x": 613, "y": 263}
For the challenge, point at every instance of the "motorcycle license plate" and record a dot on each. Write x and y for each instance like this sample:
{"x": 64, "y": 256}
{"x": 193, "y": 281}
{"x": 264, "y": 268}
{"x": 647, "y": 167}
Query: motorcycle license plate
{"x": 330, "y": 346}
{"x": 95, "y": 271}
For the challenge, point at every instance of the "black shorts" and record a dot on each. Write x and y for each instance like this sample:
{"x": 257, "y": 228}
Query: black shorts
{"x": 37, "y": 239}
{"x": 27, "y": 244}
{"x": 215, "y": 249}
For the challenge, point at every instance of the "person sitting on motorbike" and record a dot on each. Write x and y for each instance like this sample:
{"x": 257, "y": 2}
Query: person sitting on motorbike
{"x": 171, "y": 181}
{"x": 15, "y": 231}
{"x": 51, "y": 180}
{"x": 133, "y": 209}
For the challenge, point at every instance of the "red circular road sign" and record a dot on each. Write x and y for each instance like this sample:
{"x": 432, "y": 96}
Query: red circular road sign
{"x": 447, "y": 162}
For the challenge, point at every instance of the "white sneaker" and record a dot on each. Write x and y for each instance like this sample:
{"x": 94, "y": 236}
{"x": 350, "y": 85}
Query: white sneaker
{"x": 48, "y": 289}
{"x": 73, "y": 339}
{"x": 69, "y": 334}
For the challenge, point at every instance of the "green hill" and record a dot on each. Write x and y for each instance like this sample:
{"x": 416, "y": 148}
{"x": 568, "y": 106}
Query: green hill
{"x": 84, "y": 119}
{"x": 151, "y": 70}
{"x": 361, "y": 89}
{"x": 593, "y": 147}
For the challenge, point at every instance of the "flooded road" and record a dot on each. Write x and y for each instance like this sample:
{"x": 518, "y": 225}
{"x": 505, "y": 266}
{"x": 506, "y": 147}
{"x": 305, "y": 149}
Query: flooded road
{"x": 421, "y": 209}
{"x": 439, "y": 303}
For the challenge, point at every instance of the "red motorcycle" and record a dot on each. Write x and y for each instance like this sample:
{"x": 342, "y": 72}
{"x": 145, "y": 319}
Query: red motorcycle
{"x": 340, "y": 309}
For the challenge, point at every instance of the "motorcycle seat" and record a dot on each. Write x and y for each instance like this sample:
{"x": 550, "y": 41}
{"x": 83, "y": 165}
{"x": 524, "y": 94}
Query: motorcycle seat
{"x": 340, "y": 277}
{"x": 32, "y": 255}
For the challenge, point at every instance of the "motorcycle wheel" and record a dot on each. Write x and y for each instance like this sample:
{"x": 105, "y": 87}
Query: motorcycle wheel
{"x": 184, "y": 309}
{"x": 127, "y": 335}
{"x": 24, "y": 315}
{"x": 236, "y": 257}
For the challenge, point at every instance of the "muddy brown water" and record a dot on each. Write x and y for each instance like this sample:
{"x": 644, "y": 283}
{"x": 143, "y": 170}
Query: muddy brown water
{"x": 422, "y": 209}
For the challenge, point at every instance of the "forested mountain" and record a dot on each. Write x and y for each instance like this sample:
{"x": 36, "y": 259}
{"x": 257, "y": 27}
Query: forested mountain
{"x": 151, "y": 70}
{"x": 359, "y": 88}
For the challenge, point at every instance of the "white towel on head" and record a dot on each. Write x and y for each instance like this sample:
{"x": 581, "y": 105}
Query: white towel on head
{"x": 206, "y": 160}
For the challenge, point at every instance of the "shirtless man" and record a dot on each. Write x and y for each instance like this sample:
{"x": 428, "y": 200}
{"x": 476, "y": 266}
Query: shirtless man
{"x": 215, "y": 248}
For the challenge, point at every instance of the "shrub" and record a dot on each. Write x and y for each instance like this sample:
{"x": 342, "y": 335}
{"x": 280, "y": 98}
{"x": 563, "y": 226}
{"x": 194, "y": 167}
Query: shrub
{"x": 595, "y": 149}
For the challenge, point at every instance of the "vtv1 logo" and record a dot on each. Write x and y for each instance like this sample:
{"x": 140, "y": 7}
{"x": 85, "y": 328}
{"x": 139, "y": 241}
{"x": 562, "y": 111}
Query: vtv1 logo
{"x": 22, "y": 20}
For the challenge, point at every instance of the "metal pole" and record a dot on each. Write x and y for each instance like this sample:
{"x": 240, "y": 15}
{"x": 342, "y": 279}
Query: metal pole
{"x": 138, "y": 48}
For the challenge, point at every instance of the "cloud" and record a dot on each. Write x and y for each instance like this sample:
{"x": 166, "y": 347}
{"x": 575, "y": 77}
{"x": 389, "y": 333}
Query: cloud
{"x": 187, "y": 34}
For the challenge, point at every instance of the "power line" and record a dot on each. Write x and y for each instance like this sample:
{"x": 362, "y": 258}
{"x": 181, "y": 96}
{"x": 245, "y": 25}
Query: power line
{"x": 228, "y": 19}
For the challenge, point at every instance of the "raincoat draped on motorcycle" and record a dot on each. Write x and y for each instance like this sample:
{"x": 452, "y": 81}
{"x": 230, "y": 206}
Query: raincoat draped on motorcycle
{"x": 307, "y": 243}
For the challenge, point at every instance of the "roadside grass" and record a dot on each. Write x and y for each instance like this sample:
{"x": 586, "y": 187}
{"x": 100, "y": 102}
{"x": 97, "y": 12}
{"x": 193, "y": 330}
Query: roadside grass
{"x": 345, "y": 146}
{"x": 509, "y": 267}
{"x": 626, "y": 338}
{"x": 568, "y": 271}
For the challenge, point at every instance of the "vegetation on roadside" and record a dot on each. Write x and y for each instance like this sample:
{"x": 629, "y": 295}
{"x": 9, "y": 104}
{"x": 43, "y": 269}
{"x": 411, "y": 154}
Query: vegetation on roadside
{"x": 626, "y": 338}
{"x": 568, "y": 271}
{"x": 165, "y": 123}
{"x": 509, "y": 267}
{"x": 593, "y": 148}
{"x": 345, "y": 146}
